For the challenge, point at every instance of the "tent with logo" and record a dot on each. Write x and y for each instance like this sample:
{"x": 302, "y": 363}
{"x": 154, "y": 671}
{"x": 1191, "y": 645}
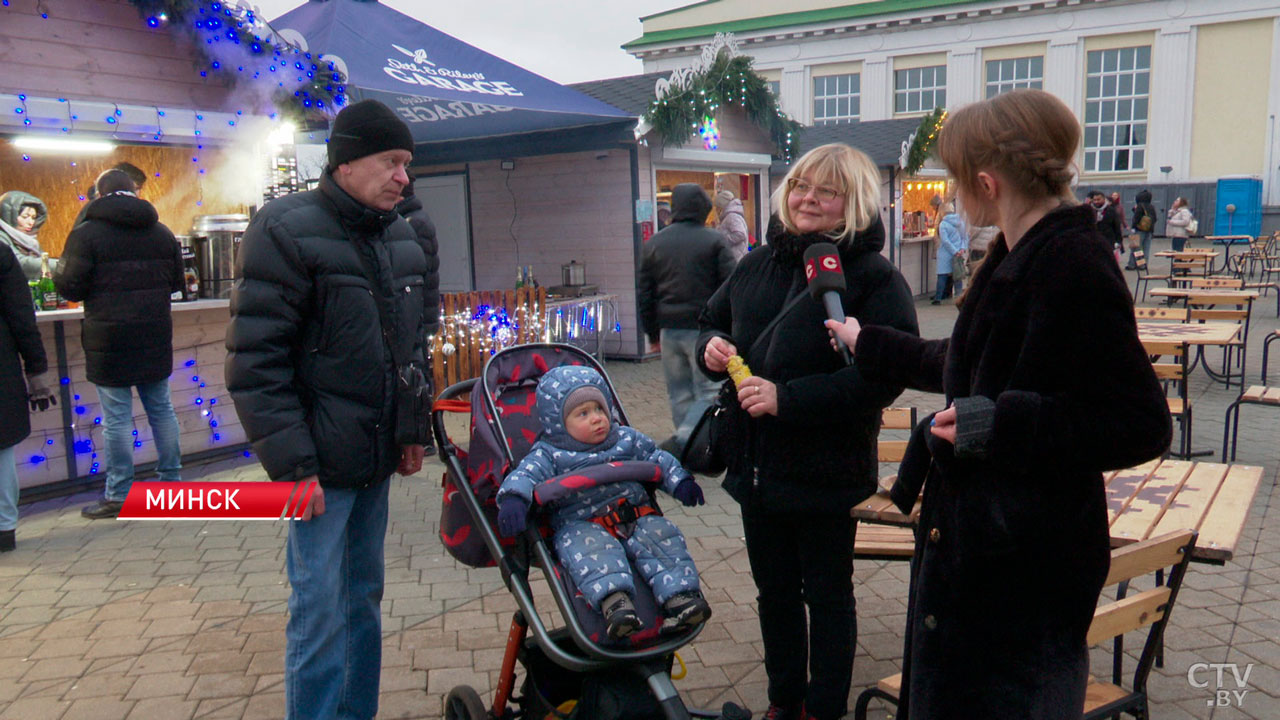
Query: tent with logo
{"x": 461, "y": 102}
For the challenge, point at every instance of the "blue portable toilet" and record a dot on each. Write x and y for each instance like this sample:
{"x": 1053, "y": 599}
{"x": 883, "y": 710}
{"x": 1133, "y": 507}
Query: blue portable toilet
{"x": 1245, "y": 193}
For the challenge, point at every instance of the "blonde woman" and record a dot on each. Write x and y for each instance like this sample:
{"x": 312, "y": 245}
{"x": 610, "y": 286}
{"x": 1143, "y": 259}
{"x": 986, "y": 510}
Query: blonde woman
{"x": 1014, "y": 496}
{"x": 802, "y": 439}
{"x": 1178, "y": 224}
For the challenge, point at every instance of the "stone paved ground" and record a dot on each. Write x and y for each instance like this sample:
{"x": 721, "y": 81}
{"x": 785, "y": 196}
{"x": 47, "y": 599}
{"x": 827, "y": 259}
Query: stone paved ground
{"x": 184, "y": 620}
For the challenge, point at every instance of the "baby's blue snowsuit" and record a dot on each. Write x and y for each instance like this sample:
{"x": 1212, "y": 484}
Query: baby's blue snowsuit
{"x": 596, "y": 559}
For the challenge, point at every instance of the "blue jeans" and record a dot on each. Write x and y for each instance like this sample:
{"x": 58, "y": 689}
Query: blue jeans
{"x": 117, "y": 430}
{"x": 8, "y": 489}
{"x": 688, "y": 390}
{"x": 946, "y": 286}
{"x": 333, "y": 642}
{"x": 1177, "y": 243}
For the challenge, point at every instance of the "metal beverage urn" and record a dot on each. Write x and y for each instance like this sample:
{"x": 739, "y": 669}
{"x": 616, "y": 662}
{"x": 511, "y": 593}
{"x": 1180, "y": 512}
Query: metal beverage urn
{"x": 216, "y": 239}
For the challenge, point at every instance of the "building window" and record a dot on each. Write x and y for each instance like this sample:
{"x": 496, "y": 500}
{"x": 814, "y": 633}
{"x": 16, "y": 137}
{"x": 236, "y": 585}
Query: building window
{"x": 1117, "y": 93}
{"x": 919, "y": 89}
{"x": 837, "y": 98}
{"x": 1006, "y": 75}
{"x": 775, "y": 87}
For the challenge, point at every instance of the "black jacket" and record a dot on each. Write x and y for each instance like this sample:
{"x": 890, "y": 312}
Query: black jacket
{"x": 411, "y": 209}
{"x": 682, "y": 265}
{"x": 308, "y": 364}
{"x": 123, "y": 264}
{"x": 1143, "y": 207}
{"x": 19, "y": 346}
{"x": 1014, "y": 542}
{"x": 818, "y": 455}
{"x": 1110, "y": 226}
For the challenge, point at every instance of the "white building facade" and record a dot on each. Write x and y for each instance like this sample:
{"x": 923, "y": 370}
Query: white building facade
{"x": 1169, "y": 92}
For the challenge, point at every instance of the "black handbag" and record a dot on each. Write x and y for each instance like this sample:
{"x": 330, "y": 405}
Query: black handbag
{"x": 716, "y": 436}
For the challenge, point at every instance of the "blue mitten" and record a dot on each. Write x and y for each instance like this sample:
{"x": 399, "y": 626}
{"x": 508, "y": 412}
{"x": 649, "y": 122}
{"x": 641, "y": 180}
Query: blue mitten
{"x": 688, "y": 493}
{"x": 513, "y": 512}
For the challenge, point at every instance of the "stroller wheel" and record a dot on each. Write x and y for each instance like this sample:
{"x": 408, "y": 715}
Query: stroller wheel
{"x": 464, "y": 703}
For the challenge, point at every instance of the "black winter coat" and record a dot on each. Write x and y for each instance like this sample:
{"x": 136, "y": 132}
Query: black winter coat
{"x": 411, "y": 209}
{"x": 123, "y": 264}
{"x": 1014, "y": 546}
{"x": 19, "y": 346}
{"x": 1110, "y": 226}
{"x": 308, "y": 363}
{"x": 681, "y": 266}
{"x": 818, "y": 455}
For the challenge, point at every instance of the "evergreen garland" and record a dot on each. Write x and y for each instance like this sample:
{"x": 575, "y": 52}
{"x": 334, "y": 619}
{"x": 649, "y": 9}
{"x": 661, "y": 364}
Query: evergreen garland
{"x": 925, "y": 137}
{"x": 305, "y": 89}
{"x": 728, "y": 81}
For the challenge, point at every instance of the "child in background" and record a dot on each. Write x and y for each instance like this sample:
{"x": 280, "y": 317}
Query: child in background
{"x": 573, "y": 406}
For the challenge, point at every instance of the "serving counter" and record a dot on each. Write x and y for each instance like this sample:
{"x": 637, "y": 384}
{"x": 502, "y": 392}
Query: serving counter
{"x": 65, "y": 451}
{"x": 917, "y": 260}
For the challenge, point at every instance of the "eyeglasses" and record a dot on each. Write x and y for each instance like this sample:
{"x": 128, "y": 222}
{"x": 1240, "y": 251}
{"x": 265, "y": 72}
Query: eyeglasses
{"x": 821, "y": 192}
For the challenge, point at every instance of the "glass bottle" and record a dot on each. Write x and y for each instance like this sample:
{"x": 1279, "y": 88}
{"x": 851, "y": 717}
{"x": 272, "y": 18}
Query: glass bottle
{"x": 48, "y": 292}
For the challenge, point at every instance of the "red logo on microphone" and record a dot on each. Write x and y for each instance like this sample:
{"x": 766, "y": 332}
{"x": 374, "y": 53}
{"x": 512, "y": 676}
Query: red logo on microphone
{"x": 830, "y": 263}
{"x": 809, "y": 270}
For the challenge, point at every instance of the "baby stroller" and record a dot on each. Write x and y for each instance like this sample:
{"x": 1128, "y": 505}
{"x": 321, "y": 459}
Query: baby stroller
{"x": 572, "y": 672}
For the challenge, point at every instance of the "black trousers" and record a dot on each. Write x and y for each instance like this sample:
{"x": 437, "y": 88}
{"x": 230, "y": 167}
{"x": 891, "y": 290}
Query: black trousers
{"x": 799, "y": 561}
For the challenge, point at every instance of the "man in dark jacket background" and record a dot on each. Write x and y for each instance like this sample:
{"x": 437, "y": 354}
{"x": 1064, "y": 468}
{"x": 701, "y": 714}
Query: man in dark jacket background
{"x": 1107, "y": 216}
{"x": 124, "y": 264}
{"x": 410, "y": 208}
{"x": 680, "y": 267}
{"x": 313, "y": 371}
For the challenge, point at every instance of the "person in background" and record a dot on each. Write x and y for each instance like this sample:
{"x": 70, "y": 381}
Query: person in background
{"x": 803, "y": 447}
{"x": 123, "y": 264}
{"x": 680, "y": 268}
{"x": 21, "y": 217}
{"x": 953, "y": 240}
{"x": 311, "y": 369}
{"x": 732, "y": 223}
{"x": 1114, "y": 199}
{"x": 1176, "y": 226}
{"x": 1107, "y": 219}
{"x": 979, "y": 240}
{"x": 1144, "y": 221}
{"x": 135, "y": 174}
{"x": 410, "y": 208}
{"x": 1012, "y": 469}
{"x": 21, "y": 353}
{"x": 662, "y": 214}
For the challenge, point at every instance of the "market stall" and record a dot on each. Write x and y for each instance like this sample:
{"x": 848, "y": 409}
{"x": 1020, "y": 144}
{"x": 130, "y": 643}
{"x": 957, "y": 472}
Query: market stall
{"x": 197, "y": 133}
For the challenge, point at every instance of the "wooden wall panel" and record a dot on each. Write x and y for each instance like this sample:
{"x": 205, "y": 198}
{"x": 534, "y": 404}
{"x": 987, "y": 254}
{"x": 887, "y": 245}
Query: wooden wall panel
{"x": 60, "y": 181}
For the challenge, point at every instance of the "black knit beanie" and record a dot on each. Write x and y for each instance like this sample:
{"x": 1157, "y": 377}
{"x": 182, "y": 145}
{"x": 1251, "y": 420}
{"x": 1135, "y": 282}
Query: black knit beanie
{"x": 365, "y": 128}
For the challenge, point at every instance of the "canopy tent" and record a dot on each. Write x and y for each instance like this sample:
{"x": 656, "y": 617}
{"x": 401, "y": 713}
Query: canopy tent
{"x": 446, "y": 90}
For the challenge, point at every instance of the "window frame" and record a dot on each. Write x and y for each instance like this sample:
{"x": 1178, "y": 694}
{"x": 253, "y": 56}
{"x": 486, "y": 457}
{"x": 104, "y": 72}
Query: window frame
{"x": 909, "y": 85}
{"x": 832, "y": 98}
{"x": 1015, "y": 80}
{"x": 1117, "y": 109}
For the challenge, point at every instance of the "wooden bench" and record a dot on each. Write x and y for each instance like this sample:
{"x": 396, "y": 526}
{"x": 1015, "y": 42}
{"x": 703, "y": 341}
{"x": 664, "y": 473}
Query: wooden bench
{"x": 1111, "y": 620}
{"x": 873, "y": 541}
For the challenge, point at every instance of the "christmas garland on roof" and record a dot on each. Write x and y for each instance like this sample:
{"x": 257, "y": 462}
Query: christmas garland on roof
{"x": 729, "y": 80}
{"x": 235, "y": 42}
{"x": 923, "y": 140}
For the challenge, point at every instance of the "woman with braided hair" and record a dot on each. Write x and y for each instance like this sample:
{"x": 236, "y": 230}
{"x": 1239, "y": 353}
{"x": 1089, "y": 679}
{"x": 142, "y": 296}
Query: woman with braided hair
{"x": 1013, "y": 545}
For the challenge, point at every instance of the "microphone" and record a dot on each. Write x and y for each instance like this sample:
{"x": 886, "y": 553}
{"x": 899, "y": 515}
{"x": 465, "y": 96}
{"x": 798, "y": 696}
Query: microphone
{"x": 826, "y": 279}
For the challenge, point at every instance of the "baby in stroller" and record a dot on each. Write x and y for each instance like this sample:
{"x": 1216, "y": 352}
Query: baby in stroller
{"x": 597, "y": 529}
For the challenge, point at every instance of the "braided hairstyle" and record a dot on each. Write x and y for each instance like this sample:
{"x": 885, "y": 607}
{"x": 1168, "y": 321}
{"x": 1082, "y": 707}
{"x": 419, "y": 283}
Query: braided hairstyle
{"x": 1028, "y": 137}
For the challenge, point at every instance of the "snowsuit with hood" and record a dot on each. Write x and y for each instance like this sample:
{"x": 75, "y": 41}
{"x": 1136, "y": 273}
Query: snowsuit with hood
{"x": 596, "y": 559}
{"x": 25, "y": 247}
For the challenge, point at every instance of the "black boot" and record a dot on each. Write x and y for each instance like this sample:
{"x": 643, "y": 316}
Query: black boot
{"x": 620, "y": 616}
{"x": 7, "y": 541}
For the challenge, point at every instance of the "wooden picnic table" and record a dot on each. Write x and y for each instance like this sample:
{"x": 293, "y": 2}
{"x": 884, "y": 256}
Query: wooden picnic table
{"x": 1180, "y": 259}
{"x": 1149, "y": 500}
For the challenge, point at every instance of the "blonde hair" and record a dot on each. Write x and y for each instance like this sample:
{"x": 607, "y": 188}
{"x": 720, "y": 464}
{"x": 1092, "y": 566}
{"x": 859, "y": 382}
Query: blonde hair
{"x": 847, "y": 170}
{"x": 1027, "y": 136}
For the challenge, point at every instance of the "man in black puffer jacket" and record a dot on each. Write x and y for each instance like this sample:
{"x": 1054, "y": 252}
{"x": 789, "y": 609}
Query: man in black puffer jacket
{"x": 680, "y": 268}
{"x": 123, "y": 264}
{"x": 310, "y": 367}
